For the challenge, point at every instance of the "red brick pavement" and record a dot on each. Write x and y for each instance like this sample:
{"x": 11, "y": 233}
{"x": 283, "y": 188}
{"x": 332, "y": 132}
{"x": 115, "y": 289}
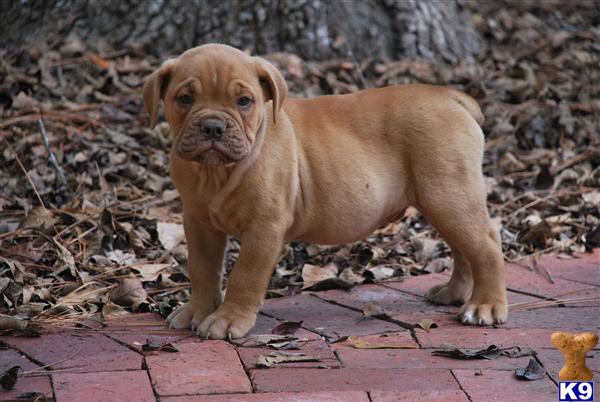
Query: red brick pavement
{"x": 107, "y": 364}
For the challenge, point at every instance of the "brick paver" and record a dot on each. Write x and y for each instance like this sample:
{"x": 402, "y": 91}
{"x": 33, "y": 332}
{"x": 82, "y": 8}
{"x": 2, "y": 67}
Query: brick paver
{"x": 400, "y": 306}
{"x": 38, "y": 387}
{"x": 10, "y": 358}
{"x": 501, "y": 385}
{"x": 276, "y": 397}
{"x": 583, "y": 269}
{"x": 299, "y": 380}
{"x": 316, "y": 349}
{"x": 134, "y": 330}
{"x": 522, "y": 279}
{"x": 103, "y": 386}
{"x": 480, "y": 337}
{"x": 425, "y": 395}
{"x": 209, "y": 367}
{"x": 419, "y": 359}
{"x": 107, "y": 364}
{"x": 78, "y": 351}
{"x": 322, "y": 317}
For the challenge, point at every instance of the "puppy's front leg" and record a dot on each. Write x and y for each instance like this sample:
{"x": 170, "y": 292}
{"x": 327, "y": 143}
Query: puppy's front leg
{"x": 206, "y": 248}
{"x": 246, "y": 287}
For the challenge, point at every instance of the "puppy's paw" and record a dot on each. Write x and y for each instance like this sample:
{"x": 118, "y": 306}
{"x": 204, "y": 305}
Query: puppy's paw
{"x": 448, "y": 294}
{"x": 227, "y": 323}
{"x": 188, "y": 316}
{"x": 474, "y": 313}
{"x": 181, "y": 317}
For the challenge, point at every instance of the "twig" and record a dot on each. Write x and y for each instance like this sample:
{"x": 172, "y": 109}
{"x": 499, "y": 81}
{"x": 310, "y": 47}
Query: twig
{"x": 53, "y": 363}
{"x": 26, "y": 174}
{"x": 549, "y": 303}
{"x": 540, "y": 252}
{"x": 59, "y": 170}
{"x": 540, "y": 267}
{"x": 582, "y": 157}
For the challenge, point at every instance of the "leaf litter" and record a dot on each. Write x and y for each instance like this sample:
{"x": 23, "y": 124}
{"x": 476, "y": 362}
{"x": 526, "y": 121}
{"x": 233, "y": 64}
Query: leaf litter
{"x": 90, "y": 222}
{"x": 489, "y": 353}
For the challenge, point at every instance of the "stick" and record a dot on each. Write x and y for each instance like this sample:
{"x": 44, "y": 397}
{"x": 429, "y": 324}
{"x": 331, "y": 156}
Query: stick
{"x": 26, "y": 174}
{"x": 53, "y": 363}
{"x": 59, "y": 170}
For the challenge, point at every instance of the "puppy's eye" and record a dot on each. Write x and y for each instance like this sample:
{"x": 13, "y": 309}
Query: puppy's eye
{"x": 185, "y": 100}
{"x": 243, "y": 102}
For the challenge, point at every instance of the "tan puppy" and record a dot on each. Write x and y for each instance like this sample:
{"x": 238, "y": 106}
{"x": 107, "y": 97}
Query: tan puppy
{"x": 249, "y": 162}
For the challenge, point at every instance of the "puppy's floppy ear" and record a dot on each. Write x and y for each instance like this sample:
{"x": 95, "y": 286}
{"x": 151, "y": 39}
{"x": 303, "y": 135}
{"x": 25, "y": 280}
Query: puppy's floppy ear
{"x": 272, "y": 83}
{"x": 154, "y": 89}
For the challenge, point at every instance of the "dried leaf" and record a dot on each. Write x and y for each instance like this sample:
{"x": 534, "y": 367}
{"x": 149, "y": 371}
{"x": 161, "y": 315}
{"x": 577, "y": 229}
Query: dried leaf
{"x": 489, "y": 353}
{"x": 149, "y": 272}
{"x": 533, "y": 371}
{"x": 372, "y": 309}
{"x": 150, "y": 346}
{"x": 382, "y": 342}
{"x": 331, "y": 283}
{"x": 263, "y": 340}
{"x": 129, "y": 293}
{"x": 170, "y": 234}
{"x": 426, "y": 324}
{"x": 438, "y": 265}
{"x": 275, "y": 358}
{"x": 382, "y": 272}
{"x": 287, "y": 328}
{"x": 425, "y": 248}
{"x": 9, "y": 378}
{"x": 312, "y": 274}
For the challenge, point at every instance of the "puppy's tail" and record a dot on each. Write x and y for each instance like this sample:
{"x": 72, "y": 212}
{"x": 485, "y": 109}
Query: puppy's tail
{"x": 470, "y": 105}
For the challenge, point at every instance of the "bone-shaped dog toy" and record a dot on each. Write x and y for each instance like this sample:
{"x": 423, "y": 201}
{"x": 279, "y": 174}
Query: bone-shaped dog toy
{"x": 574, "y": 347}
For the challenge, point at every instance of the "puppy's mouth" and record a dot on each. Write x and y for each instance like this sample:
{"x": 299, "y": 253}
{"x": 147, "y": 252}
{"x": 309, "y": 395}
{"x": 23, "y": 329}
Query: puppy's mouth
{"x": 213, "y": 142}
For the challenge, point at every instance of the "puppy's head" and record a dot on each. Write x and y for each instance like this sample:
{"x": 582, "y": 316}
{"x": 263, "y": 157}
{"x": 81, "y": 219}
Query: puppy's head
{"x": 214, "y": 97}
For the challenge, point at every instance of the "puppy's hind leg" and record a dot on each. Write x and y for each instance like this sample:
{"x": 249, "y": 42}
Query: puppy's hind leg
{"x": 455, "y": 204}
{"x": 458, "y": 289}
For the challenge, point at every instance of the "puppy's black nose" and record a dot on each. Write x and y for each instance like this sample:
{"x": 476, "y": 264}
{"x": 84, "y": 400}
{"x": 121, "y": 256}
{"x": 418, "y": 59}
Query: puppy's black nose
{"x": 213, "y": 128}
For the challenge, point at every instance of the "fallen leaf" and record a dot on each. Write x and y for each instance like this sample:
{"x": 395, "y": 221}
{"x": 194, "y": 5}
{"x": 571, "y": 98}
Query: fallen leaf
{"x": 382, "y": 272}
{"x": 9, "y": 378}
{"x": 489, "y": 353}
{"x": 438, "y": 265}
{"x": 274, "y": 358}
{"x": 129, "y": 293}
{"x": 372, "y": 309}
{"x": 533, "y": 371}
{"x": 331, "y": 283}
{"x": 425, "y": 248}
{"x": 149, "y": 272}
{"x": 287, "y": 328}
{"x": 312, "y": 274}
{"x": 111, "y": 309}
{"x": 263, "y": 340}
{"x": 170, "y": 235}
{"x": 348, "y": 275}
{"x": 150, "y": 346}
{"x": 385, "y": 341}
{"x": 426, "y": 324}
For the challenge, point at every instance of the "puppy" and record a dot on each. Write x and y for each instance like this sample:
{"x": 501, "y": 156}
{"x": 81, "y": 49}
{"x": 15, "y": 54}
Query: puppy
{"x": 251, "y": 163}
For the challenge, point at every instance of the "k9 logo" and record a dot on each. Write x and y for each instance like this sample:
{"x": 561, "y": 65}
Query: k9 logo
{"x": 576, "y": 391}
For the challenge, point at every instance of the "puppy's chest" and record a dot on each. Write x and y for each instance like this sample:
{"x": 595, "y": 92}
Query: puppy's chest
{"x": 224, "y": 215}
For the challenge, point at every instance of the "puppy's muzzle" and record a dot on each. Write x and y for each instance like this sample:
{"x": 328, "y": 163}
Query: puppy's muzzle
{"x": 213, "y": 140}
{"x": 212, "y": 128}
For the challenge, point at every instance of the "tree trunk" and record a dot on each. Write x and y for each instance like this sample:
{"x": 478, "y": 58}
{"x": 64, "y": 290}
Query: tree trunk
{"x": 313, "y": 29}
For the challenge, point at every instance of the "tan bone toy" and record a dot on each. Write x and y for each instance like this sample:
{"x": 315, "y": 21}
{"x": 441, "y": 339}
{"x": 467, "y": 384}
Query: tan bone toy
{"x": 574, "y": 347}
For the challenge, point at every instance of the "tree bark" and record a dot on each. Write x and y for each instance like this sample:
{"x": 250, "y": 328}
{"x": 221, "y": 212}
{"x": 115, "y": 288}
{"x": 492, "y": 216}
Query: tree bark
{"x": 313, "y": 29}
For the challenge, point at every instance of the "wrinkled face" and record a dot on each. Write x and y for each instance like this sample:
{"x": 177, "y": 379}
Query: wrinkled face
{"x": 214, "y": 98}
